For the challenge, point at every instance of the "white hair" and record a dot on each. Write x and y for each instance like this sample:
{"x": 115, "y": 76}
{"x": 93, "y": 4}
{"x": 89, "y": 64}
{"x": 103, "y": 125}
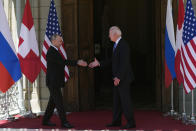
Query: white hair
{"x": 115, "y": 30}
{"x": 54, "y": 36}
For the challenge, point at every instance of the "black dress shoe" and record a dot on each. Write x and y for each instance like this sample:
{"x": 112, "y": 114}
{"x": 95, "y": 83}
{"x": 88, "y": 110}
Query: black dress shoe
{"x": 113, "y": 125}
{"x": 67, "y": 125}
{"x": 48, "y": 124}
{"x": 128, "y": 126}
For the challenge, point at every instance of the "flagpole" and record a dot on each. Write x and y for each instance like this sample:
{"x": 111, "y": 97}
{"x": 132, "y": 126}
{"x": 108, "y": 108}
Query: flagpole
{"x": 183, "y": 117}
{"x": 192, "y": 120}
{"x": 172, "y": 112}
{"x": 25, "y": 85}
{"x": 29, "y": 98}
{"x": 192, "y": 115}
{"x": 30, "y": 113}
{"x": 172, "y": 99}
{"x": 184, "y": 104}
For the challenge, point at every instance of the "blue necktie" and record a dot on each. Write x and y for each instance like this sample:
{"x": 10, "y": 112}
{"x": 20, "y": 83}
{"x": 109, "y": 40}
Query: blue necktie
{"x": 114, "y": 47}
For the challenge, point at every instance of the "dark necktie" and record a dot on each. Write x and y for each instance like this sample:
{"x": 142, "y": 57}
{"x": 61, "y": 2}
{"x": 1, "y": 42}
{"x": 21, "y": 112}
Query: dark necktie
{"x": 114, "y": 47}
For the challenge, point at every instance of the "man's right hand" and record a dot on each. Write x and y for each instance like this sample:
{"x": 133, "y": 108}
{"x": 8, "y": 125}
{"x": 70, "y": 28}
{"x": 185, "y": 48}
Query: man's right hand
{"x": 93, "y": 64}
{"x": 82, "y": 63}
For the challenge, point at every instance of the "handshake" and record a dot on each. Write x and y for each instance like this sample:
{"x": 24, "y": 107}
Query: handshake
{"x": 93, "y": 64}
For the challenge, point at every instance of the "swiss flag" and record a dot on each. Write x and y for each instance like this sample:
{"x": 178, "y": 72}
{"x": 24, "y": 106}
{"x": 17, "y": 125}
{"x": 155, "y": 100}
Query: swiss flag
{"x": 28, "y": 52}
{"x": 179, "y": 42}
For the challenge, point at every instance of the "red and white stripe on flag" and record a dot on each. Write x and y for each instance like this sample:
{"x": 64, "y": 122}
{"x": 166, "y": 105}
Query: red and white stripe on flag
{"x": 188, "y": 49}
{"x": 51, "y": 29}
{"x": 28, "y": 51}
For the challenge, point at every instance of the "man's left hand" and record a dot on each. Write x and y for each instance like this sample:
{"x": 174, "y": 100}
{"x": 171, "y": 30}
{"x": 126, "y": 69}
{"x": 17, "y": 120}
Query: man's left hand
{"x": 116, "y": 81}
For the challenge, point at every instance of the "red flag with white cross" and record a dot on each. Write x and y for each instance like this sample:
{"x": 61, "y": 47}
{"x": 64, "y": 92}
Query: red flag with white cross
{"x": 28, "y": 51}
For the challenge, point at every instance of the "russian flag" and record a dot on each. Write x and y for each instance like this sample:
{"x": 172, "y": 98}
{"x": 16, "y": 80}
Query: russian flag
{"x": 169, "y": 47}
{"x": 9, "y": 63}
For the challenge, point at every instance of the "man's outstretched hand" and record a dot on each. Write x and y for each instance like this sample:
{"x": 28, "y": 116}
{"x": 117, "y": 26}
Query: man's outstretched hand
{"x": 82, "y": 63}
{"x": 94, "y": 64}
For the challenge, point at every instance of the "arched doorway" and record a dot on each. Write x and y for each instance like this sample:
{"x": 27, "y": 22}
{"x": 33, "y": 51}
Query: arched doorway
{"x": 136, "y": 19}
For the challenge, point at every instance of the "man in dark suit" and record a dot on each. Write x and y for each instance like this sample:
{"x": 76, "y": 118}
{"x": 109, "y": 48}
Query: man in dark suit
{"x": 55, "y": 81}
{"x": 122, "y": 77}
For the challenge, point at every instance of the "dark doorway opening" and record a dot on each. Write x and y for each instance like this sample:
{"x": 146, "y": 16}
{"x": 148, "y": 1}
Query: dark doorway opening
{"x": 136, "y": 20}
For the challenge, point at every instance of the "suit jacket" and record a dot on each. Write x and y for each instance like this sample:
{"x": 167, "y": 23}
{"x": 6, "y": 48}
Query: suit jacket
{"x": 121, "y": 66}
{"x": 55, "y": 76}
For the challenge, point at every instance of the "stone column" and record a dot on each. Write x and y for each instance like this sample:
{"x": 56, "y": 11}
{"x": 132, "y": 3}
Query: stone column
{"x": 18, "y": 7}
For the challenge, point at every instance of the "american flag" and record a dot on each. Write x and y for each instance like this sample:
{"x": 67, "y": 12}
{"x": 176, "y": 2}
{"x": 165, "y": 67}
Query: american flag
{"x": 51, "y": 29}
{"x": 188, "y": 49}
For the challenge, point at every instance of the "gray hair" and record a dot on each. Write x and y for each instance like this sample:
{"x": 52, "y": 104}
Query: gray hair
{"x": 115, "y": 30}
{"x": 54, "y": 36}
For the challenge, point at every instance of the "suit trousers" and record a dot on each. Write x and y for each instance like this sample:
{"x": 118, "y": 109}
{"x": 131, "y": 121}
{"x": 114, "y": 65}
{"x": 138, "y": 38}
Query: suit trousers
{"x": 55, "y": 100}
{"x": 122, "y": 103}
